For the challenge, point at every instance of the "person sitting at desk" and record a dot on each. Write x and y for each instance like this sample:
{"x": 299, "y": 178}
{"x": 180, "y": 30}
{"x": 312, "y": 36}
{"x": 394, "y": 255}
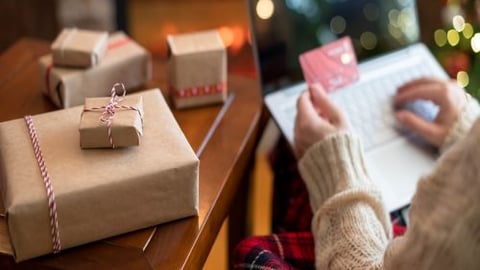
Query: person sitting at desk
{"x": 350, "y": 225}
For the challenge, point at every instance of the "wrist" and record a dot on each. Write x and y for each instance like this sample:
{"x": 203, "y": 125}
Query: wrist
{"x": 332, "y": 165}
{"x": 462, "y": 125}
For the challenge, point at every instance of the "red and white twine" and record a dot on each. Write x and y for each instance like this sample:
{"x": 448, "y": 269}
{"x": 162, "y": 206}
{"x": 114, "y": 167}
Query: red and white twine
{"x": 109, "y": 110}
{"x": 52, "y": 206}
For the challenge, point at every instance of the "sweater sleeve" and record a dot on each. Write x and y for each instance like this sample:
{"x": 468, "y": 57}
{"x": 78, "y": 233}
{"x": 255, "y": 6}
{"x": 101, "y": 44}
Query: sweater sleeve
{"x": 463, "y": 124}
{"x": 350, "y": 225}
{"x": 445, "y": 214}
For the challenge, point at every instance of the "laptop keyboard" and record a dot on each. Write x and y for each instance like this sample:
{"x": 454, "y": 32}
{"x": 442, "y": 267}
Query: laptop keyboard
{"x": 369, "y": 105}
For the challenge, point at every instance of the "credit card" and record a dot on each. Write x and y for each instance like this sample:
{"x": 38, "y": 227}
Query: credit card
{"x": 333, "y": 65}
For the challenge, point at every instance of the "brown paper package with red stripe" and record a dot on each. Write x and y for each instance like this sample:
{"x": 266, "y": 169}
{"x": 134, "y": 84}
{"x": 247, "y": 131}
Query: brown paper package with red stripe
{"x": 197, "y": 69}
{"x": 125, "y": 61}
{"x": 79, "y": 48}
{"x": 94, "y": 193}
{"x": 112, "y": 122}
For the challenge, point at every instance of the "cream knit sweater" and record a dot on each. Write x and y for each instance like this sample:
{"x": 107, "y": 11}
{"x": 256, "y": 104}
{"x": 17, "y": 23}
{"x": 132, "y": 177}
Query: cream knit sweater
{"x": 351, "y": 227}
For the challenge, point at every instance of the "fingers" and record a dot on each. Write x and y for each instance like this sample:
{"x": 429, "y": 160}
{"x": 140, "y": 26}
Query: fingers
{"x": 422, "y": 80}
{"x": 425, "y": 88}
{"x": 305, "y": 108}
{"x": 312, "y": 126}
{"x": 427, "y": 130}
{"x": 309, "y": 125}
{"x": 331, "y": 111}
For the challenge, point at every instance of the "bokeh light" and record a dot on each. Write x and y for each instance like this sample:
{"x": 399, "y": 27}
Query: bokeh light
{"x": 468, "y": 31}
{"x": 239, "y": 38}
{"x": 368, "y": 40}
{"x": 463, "y": 79}
{"x": 440, "y": 37}
{"x": 458, "y": 23}
{"x": 227, "y": 35}
{"x": 393, "y": 17}
{"x": 371, "y": 11}
{"x": 475, "y": 43}
{"x": 395, "y": 31}
{"x": 265, "y": 9}
{"x": 338, "y": 24}
{"x": 453, "y": 37}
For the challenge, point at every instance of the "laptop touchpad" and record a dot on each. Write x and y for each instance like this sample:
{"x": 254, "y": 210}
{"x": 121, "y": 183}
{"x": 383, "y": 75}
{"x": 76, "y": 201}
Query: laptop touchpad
{"x": 396, "y": 169}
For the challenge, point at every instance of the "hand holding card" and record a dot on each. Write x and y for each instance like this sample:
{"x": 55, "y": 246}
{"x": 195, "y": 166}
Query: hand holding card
{"x": 333, "y": 65}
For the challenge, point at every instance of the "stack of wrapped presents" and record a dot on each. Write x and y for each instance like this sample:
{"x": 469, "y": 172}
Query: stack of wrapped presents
{"x": 109, "y": 161}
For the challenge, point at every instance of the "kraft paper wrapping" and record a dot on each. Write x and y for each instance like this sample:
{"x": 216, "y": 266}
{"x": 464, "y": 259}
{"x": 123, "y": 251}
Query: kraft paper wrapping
{"x": 126, "y": 124}
{"x": 125, "y": 61}
{"x": 79, "y": 48}
{"x": 197, "y": 63}
{"x": 99, "y": 192}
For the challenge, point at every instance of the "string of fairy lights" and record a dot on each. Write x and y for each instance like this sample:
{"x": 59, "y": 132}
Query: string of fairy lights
{"x": 453, "y": 37}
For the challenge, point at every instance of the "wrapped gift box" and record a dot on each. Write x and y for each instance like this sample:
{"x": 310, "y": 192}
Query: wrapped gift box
{"x": 126, "y": 125}
{"x": 79, "y": 48}
{"x": 99, "y": 193}
{"x": 125, "y": 61}
{"x": 197, "y": 69}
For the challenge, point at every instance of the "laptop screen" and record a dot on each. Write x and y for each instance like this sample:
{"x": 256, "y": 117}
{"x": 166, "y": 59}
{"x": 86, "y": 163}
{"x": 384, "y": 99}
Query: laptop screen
{"x": 283, "y": 29}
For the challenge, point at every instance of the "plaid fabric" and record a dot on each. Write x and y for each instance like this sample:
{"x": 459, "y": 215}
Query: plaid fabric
{"x": 293, "y": 247}
{"x": 281, "y": 251}
{"x": 291, "y": 208}
{"x": 277, "y": 251}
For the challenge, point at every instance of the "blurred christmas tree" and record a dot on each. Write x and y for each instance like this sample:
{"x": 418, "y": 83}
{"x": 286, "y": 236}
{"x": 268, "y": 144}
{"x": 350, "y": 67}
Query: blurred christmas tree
{"x": 457, "y": 44}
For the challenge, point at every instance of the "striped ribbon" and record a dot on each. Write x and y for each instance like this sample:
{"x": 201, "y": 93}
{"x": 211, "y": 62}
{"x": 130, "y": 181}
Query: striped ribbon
{"x": 111, "y": 46}
{"x": 197, "y": 91}
{"x": 109, "y": 110}
{"x": 52, "y": 206}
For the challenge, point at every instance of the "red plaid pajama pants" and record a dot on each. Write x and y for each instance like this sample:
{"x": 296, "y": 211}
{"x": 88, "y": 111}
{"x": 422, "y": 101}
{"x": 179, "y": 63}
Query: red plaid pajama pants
{"x": 291, "y": 246}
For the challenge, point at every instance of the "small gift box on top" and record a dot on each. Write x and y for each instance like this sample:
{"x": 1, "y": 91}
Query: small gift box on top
{"x": 79, "y": 48}
{"x": 197, "y": 69}
{"x": 112, "y": 122}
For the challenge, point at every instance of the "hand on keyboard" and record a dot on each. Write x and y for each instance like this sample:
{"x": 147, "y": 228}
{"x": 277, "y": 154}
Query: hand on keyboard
{"x": 434, "y": 128}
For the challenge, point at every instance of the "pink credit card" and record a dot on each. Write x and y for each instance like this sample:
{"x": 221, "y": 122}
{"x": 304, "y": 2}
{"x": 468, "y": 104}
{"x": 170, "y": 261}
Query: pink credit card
{"x": 333, "y": 65}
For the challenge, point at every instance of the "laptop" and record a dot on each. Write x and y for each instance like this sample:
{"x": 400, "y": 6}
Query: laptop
{"x": 385, "y": 35}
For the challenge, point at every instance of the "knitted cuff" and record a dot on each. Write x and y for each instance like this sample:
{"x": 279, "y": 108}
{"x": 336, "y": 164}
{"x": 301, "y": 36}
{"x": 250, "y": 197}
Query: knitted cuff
{"x": 463, "y": 124}
{"x": 332, "y": 165}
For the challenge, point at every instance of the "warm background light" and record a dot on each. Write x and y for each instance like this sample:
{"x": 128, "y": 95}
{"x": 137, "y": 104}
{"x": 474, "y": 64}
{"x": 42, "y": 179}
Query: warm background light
{"x": 368, "y": 40}
{"x": 265, "y": 9}
{"x": 463, "y": 78}
{"x": 458, "y": 23}
{"x": 151, "y": 21}
{"x": 468, "y": 31}
{"x": 440, "y": 37}
{"x": 475, "y": 43}
{"x": 338, "y": 24}
{"x": 453, "y": 37}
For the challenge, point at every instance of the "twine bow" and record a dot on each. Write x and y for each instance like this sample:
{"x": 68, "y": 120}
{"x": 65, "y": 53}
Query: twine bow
{"x": 110, "y": 109}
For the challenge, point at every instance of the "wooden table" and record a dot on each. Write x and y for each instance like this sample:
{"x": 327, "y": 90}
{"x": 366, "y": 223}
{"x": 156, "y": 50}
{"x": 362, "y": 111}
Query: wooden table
{"x": 223, "y": 137}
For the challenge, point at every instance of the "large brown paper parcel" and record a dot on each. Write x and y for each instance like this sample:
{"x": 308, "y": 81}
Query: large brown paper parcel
{"x": 126, "y": 125}
{"x": 99, "y": 192}
{"x": 79, "y": 48}
{"x": 125, "y": 61}
{"x": 197, "y": 69}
